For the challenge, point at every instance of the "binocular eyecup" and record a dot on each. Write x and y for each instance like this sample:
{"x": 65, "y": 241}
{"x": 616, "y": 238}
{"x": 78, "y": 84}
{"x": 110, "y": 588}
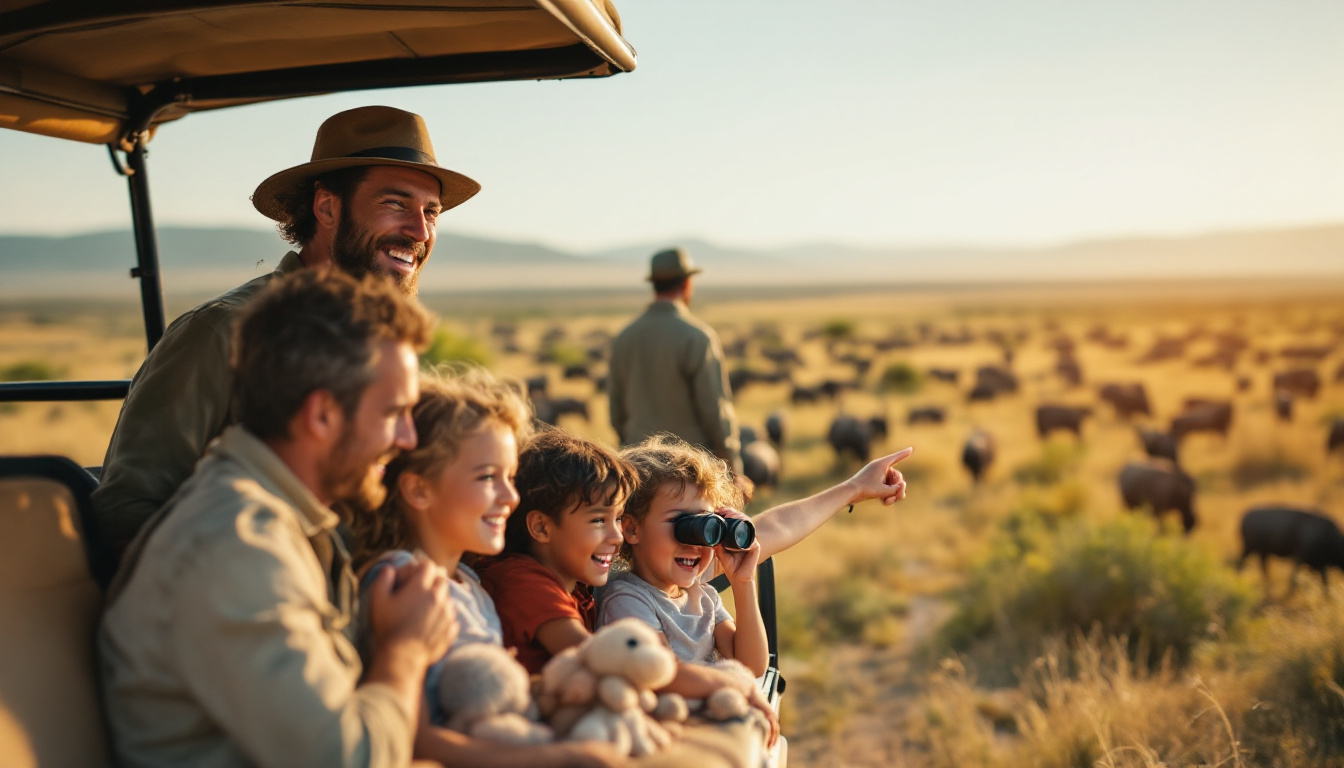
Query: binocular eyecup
{"x": 711, "y": 530}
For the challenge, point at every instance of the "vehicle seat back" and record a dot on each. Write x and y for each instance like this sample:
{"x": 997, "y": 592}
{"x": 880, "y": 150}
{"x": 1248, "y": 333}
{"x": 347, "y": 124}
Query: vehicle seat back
{"x": 50, "y": 710}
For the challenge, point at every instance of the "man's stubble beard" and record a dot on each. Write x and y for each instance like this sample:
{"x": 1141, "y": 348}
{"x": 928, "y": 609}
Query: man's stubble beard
{"x": 348, "y": 479}
{"x": 355, "y": 251}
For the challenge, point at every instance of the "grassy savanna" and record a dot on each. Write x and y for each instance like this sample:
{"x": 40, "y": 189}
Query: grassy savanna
{"x": 1028, "y": 620}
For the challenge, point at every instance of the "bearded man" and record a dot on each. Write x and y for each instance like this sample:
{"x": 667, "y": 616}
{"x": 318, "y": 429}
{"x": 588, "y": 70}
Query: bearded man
{"x": 223, "y": 642}
{"x": 368, "y": 203}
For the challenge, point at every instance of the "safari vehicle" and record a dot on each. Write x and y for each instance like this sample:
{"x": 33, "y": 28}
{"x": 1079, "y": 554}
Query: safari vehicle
{"x": 115, "y": 73}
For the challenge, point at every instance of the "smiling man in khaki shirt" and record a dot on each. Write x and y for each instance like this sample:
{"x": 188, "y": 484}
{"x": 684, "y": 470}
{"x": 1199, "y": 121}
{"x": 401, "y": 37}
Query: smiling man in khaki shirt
{"x": 224, "y": 642}
{"x": 336, "y": 209}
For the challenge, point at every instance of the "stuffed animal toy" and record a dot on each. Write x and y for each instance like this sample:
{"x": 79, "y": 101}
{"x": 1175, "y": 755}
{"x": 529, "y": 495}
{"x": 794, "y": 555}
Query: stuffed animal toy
{"x": 486, "y": 694}
{"x": 602, "y": 690}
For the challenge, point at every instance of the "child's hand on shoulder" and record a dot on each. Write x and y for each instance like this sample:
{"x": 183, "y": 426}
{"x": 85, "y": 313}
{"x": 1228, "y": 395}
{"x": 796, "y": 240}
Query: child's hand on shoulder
{"x": 879, "y": 479}
{"x": 739, "y": 565}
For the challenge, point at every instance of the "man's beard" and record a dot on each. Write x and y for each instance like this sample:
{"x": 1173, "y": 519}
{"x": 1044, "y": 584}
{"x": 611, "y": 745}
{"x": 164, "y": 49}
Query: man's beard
{"x": 347, "y": 477}
{"x": 355, "y": 251}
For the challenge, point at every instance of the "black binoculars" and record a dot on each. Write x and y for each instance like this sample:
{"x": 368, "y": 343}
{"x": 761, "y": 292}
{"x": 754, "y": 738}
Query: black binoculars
{"x": 710, "y": 530}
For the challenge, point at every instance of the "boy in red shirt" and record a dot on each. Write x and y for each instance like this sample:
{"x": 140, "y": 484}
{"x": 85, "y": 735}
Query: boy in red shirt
{"x": 558, "y": 545}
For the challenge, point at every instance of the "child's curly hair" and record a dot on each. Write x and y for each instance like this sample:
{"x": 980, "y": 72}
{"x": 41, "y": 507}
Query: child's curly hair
{"x": 665, "y": 463}
{"x": 558, "y": 472}
{"x": 455, "y": 403}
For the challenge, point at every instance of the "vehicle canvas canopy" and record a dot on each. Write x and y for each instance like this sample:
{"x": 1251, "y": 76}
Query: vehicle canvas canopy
{"x": 108, "y": 72}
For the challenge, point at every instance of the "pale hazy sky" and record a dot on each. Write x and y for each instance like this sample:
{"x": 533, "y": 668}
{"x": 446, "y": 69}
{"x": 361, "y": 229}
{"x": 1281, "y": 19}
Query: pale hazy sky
{"x": 762, "y": 123}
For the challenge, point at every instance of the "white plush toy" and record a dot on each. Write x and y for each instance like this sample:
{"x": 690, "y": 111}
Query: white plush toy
{"x": 486, "y": 694}
{"x": 603, "y": 690}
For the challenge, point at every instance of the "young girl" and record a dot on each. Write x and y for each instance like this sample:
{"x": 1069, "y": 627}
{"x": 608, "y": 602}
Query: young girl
{"x": 450, "y": 496}
{"x": 664, "y": 582}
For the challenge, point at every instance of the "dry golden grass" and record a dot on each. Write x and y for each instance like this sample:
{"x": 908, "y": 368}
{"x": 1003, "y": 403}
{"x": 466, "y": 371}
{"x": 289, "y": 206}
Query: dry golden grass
{"x": 861, "y": 598}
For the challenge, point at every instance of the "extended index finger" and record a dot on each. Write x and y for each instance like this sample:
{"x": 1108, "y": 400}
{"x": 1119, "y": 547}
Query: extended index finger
{"x": 900, "y": 455}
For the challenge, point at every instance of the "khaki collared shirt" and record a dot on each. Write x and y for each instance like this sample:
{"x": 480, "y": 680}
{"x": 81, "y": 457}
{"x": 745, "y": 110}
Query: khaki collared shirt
{"x": 178, "y": 403}
{"x": 667, "y": 375}
{"x": 224, "y": 641}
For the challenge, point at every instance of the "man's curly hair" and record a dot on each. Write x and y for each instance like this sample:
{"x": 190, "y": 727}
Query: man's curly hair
{"x": 300, "y": 224}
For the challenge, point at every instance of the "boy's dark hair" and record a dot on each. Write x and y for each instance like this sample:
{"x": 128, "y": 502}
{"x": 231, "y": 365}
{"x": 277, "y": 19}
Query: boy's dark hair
{"x": 558, "y": 472}
{"x": 316, "y": 329}
{"x": 300, "y": 224}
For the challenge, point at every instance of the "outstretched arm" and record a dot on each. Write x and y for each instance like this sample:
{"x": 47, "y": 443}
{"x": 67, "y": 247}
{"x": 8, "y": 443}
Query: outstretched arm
{"x": 779, "y": 528}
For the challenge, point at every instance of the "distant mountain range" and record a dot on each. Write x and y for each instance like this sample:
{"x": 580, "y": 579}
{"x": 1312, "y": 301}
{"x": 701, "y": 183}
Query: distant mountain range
{"x": 201, "y": 260}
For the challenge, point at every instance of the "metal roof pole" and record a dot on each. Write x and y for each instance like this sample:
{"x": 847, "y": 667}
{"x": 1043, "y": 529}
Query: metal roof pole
{"x": 146, "y": 246}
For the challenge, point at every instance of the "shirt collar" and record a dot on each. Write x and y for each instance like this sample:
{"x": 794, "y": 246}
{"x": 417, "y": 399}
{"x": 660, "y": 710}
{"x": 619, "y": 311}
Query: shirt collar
{"x": 241, "y": 445}
{"x": 292, "y": 262}
{"x": 674, "y": 306}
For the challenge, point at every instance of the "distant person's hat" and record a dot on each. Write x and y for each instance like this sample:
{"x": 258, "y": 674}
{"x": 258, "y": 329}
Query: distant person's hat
{"x": 365, "y": 136}
{"x": 672, "y": 264}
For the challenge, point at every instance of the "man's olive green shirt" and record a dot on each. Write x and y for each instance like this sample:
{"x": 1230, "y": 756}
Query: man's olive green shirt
{"x": 224, "y": 640}
{"x": 667, "y": 375}
{"x": 178, "y": 403}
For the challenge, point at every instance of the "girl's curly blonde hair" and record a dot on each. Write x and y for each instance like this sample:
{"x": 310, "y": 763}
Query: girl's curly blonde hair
{"x": 665, "y": 463}
{"x": 456, "y": 402}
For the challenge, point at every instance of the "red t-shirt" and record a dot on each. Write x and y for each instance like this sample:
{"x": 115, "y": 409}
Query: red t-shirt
{"x": 528, "y": 595}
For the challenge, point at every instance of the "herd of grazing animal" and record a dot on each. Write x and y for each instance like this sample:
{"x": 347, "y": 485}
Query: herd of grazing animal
{"x": 1156, "y": 481}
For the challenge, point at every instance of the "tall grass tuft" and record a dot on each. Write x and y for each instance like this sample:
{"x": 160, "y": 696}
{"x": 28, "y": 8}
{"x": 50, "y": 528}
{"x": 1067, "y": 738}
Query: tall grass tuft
{"x": 1119, "y": 578}
{"x": 448, "y": 347}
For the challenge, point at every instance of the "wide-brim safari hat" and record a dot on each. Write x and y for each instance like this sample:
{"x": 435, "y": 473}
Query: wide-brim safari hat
{"x": 672, "y": 264}
{"x": 363, "y": 137}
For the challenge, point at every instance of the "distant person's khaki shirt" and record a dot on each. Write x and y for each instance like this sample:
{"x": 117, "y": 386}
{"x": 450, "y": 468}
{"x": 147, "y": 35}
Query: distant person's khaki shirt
{"x": 667, "y": 375}
{"x": 224, "y": 641}
{"x": 179, "y": 402}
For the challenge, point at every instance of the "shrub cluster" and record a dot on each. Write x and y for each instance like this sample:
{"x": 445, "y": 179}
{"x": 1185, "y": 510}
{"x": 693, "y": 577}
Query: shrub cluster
{"x": 448, "y": 347}
{"x": 1163, "y": 594}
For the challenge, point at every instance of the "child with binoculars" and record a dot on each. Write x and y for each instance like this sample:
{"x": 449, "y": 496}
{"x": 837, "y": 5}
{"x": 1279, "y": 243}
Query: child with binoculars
{"x": 681, "y": 517}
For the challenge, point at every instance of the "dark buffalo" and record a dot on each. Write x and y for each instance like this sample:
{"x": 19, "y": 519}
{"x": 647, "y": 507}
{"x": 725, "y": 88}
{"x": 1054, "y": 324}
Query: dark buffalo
{"x": 1283, "y": 405}
{"x": 1243, "y": 383}
{"x": 930, "y": 414}
{"x": 1300, "y": 381}
{"x": 831, "y": 388}
{"x": 782, "y": 356}
{"x": 1307, "y": 352}
{"x": 1052, "y": 417}
{"x": 739, "y": 378}
{"x": 1070, "y": 371}
{"x": 760, "y": 463}
{"x": 853, "y": 436}
{"x": 537, "y": 385}
{"x": 1307, "y": 538}
{"x": 978, "y": 454}
{"x": 1159, "y": 445}
{"x": 549, "y": 410}
{"x": 945, "y": 375}
{"x": 1336, "y": 437}
{"x": 997, "y": 377}
{"x": 1128, "y": 399}
{"x": 578, "y": 371}
{"x": 1202, "y": 416}
{"x": 776, "y": 424}
{"x": 1164, "y": 349}
{"x": 1161, "y": 485}
{"x": 746, "y": 435}
{"x": 800, "y": 395}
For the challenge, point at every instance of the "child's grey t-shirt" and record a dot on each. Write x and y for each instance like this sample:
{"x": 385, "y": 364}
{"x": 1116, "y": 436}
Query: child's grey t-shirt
{"x": 688, "y": 621}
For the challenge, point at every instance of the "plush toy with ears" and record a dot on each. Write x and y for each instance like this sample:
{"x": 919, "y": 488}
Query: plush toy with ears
{"x": 486, "y": 694}
{"x": 603, "y": 689}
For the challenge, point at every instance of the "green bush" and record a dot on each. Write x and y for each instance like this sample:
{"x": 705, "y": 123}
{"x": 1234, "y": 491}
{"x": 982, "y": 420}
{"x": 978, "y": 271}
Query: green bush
{"x": 29, "y": 370}
{"x": 901, "y": 378}
{"x": 838, "y": 329}
{"x": 1057, "y": 460}
{"x": 1161, "y": 593}
{"x": 563, "y": 354}
{"x": 448, "y": 347}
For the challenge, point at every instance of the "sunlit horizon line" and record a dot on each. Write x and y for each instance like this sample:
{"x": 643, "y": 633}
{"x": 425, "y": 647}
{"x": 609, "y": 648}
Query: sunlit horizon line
{"x": 1005, "y": 244}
